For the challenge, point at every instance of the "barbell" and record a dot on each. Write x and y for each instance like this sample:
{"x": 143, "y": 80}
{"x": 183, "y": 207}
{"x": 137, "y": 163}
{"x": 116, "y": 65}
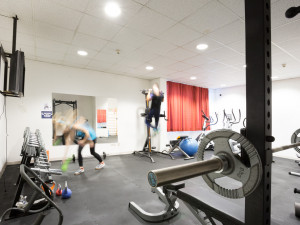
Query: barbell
{"x": 224, "y": 163}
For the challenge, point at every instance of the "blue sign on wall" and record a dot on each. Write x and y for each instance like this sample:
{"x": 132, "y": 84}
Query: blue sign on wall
{"x": 46, "y": 114}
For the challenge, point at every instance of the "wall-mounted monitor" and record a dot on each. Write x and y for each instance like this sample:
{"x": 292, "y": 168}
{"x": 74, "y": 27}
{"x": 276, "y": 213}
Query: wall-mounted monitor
{"x": 17, "y": 74}
{"x": 3, "y": 69}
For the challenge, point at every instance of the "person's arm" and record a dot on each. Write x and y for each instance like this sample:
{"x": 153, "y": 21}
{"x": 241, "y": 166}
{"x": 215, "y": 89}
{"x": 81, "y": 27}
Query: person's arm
{"x": 149, "y": 96}
{"x": 163, "y": 97}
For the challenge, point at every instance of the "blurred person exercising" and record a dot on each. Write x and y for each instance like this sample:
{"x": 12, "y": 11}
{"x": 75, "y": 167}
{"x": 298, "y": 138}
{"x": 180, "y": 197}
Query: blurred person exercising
{"x": 156, "y": 97}
{"x": 87, "y": 135}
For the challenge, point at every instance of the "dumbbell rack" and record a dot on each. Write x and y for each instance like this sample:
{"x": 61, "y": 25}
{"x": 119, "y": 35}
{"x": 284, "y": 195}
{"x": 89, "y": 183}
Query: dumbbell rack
{"x": 33, "y": 148}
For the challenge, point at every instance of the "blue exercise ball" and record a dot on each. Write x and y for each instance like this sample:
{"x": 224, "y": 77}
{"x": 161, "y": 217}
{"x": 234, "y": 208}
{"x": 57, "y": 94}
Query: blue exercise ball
{"x": 189, "y": 146}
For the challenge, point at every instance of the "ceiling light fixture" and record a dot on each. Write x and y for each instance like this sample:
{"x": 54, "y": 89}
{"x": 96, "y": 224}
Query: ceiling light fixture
{"x": 193, "y": 78}
{"x": 82, "y": 53}
{"x": 112, "y": 9}
{"x": 274, "y": 77}
{"x": 202, "y": 46}
{"x": 223, "y": 85}
{"x": 149, "y": 68}
{"x": 245, "y": 66}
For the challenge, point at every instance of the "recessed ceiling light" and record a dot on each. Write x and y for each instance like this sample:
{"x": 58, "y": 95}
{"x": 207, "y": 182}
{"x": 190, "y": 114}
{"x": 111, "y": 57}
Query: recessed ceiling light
{"x": 223, "y": 85}
{"x": 82, "y": 53}
{"x": 193, "y": 78}
{"x": 112, "y": 9}
{"x": 202, "y": 46}
{"x": 149, "y": 68}
{"x": 245, "y": 66}
{"x": 274, "y": 77}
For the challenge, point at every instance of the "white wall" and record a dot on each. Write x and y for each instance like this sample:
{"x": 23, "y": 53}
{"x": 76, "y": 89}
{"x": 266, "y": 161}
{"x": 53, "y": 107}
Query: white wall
{"x": 43, "y": 79}
{"x": 2, "y": 134}
{"x": 285, "y": 109}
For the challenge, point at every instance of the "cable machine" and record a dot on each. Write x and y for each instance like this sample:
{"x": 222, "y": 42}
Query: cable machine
{"x": 148, "y": 149}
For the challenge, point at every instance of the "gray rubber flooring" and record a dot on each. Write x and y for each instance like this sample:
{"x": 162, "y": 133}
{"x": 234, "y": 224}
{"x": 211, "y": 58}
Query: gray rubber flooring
{"x": 102, "y": 197}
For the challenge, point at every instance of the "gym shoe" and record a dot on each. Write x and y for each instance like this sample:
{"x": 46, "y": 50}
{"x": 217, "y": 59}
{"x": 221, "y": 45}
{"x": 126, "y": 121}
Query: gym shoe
{"x": 78, "y": 172}
{"x": 100, "y": 166}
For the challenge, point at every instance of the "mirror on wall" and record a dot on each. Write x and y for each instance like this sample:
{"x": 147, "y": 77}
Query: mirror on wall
{"x": 100, "y": 113}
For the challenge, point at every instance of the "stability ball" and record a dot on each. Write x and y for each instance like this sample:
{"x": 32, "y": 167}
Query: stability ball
{"x": 189, "y": 146}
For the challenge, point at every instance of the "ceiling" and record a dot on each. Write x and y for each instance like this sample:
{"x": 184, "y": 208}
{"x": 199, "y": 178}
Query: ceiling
{"x": 160, "y": 33}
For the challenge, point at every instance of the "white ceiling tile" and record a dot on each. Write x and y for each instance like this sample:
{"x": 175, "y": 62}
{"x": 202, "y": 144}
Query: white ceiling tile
{"x": 291, "y": 45}
{"x": 143, "y": 2}
{"x": 239, "y": 46}
{"x": 112, "y": 47}
{"x": 109, "y": 58}
{"x": 98, "y": 28}
{"x": 237, "y": 6}
{"x": 179, "y": 75}
{"x": 214, "y": 66}
{"x": 161, "y": 72}
{"x": 287, "y": 32}
{"x": 130, "y": 62}
{"x": 222, "y": 53}
{"x": 51, "y": 32}
{"x": 150, "y": 22}
{"x": 161, "y": 61}
{"x": 143, "y": 56}
{"x": 6, "y": 35}
{"x": 180, "y": 35}
{"x": 239, "y": 61}
{"x": 196, "y": 70}
{"x": 176, "y": 9}
{"x": 86, "y": 41}
{"x": 131, "y": 37}
{"x": 47, "y": 54}
{"x": 230, "y": 33}
{"x": 25, "y": 39}
{"x": 210, "y": 17}
{"x": 55, "y": 14}
{"x": 51, "y": 45}
{"x": 76, "y": 61}
{"x": 212, "y": 45}
{"x": 6, "y": 23}
{"x": 198, "y": 60}
{"x": 158, "y": 46}
{"x": 78, "y": 5}
{"x": 180, "y": 54}
{"x": 74, "y": 49}
{"x": 98, "y": 65}
{"x": 18, "y": 7}
{"x": 179, "y": 66}
{"x": 128, "y": 10}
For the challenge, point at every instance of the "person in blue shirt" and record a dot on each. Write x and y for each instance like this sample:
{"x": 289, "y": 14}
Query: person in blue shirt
{"x": 86, "y": 135}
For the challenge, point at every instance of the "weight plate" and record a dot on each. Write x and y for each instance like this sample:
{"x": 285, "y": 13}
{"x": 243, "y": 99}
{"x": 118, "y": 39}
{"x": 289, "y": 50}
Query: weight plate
{"x": 248, "y": 174}
{"x": 295, "y": 139}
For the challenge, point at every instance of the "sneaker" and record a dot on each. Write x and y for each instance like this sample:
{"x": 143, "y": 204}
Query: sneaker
{"x": 78, "y": 172}
{"x": 100, "y": 166}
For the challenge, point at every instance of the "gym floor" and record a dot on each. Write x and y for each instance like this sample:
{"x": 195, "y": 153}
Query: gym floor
{"x": 102, "y": 197}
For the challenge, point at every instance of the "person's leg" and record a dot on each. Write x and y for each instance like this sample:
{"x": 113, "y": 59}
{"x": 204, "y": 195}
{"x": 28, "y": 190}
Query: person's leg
{"x": 149, "y": 118}
{"x": 80, "y": 161}
{"x": 156, "y": 116}
{"x": 94, "y": 153}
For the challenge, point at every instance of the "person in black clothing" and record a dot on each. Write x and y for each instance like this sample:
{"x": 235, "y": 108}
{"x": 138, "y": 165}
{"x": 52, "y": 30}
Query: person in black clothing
{"x": 156, "y": 97}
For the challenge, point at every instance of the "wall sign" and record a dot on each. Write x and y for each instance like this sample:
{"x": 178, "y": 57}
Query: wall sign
{"x": 46, "y": 112}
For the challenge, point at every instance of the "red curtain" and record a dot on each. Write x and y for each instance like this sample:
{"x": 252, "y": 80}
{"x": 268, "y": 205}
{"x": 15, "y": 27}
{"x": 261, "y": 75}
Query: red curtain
{"x": 185, "y": 103}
